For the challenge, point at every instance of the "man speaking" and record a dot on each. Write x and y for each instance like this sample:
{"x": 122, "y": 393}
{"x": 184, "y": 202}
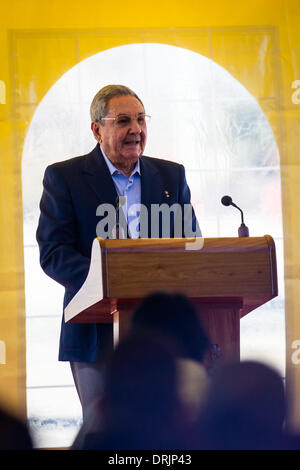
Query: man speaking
{"x": 74, "y": 192}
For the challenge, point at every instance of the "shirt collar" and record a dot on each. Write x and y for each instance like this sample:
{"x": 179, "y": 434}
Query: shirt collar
{"x": 114, "y": 170}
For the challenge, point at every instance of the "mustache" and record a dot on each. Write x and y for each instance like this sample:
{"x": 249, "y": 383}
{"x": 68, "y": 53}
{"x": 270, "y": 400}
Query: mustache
{"x": 133, "y": 140}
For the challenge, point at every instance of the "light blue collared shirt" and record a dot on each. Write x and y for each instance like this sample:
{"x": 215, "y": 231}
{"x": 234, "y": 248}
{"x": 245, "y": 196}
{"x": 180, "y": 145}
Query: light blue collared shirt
{"x": 131, "y": 189}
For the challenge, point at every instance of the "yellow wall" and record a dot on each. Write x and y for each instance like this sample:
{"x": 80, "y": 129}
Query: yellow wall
{"x": 257, "y": 41}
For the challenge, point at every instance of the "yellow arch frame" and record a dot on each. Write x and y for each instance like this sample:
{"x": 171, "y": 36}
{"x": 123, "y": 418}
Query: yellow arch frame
{"x": 40, "y": 42}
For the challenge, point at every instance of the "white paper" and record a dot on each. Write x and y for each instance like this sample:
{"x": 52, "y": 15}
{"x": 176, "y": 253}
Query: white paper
{"x": 91, "y": 291}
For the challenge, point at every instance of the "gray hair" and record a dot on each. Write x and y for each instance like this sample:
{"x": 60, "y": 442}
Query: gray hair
{"x": 99, "y": 105}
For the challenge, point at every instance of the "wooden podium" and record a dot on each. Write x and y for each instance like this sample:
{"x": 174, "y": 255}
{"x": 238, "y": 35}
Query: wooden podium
{"x": 226, "y": 278}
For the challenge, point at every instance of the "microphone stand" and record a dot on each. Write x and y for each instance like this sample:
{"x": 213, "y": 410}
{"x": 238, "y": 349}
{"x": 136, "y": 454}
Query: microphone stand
{"x": 243, "y": 229}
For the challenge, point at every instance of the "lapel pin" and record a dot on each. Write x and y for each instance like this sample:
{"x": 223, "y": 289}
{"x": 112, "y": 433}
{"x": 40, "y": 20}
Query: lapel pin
{"x": 167, "y": 193}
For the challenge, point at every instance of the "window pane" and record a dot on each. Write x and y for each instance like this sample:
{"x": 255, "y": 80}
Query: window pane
{"x": 54, "y": 416}
{"x": 43, "y": 367}
{"x": 44, "y": 297}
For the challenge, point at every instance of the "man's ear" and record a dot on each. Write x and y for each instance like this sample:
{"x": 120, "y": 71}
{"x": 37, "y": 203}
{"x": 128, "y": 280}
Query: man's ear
{"x": 96, "y": 129}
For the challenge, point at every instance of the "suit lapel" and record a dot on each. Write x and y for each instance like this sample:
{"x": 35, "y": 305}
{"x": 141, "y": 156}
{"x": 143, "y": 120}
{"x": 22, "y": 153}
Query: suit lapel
{"x": 98, "y": 176}
{"x": 151, "y": 186}
{"x": 151, "y": 189}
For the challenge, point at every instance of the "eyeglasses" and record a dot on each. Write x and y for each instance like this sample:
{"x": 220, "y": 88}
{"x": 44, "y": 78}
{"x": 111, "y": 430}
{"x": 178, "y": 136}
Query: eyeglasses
{"x": 124, "y": 120}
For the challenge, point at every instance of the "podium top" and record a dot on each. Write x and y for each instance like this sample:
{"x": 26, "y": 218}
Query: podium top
{"x": 210, "y": 270}
{"x": 243, "y": 268}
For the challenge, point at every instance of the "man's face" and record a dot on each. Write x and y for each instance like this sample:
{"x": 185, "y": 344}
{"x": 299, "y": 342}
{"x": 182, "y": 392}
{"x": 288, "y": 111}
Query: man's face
{"x": 123, "y": 144}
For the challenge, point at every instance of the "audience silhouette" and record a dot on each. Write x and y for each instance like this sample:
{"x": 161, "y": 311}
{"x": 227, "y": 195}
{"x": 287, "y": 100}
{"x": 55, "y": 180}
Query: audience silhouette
{"x": 159, "y": 396}
{"x": 174, "y": 319}
{"x": 244, "y": 408}
{"x": 14, "y": 434}
{"x": 140, "y": 409}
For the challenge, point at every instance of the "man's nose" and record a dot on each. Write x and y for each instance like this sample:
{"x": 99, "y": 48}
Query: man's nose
{"x": 135, "y": 127}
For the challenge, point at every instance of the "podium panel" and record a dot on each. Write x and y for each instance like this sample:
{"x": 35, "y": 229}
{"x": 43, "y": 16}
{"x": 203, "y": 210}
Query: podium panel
{"x": 226, "y": 279}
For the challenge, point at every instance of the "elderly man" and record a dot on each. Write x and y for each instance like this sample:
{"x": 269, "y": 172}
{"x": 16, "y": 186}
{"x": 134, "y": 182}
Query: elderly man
{"x": 75, "y": 189}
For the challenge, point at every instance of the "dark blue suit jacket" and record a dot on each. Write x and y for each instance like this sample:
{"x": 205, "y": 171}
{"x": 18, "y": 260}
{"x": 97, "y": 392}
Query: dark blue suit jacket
{"x": 73, "y": 189}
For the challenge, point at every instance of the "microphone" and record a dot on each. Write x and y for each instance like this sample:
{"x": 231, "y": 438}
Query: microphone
{"x": 118, "y": 230}
{"x": 243, "y": 230}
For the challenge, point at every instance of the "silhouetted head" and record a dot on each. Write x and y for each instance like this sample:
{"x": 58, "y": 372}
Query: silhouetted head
{"x": 244, "y": 409}
{"x": 173, "y": 319}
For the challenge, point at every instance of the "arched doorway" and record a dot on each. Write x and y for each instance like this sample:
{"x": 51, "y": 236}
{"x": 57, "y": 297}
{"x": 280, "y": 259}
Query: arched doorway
{"x": 201, "y": 117}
